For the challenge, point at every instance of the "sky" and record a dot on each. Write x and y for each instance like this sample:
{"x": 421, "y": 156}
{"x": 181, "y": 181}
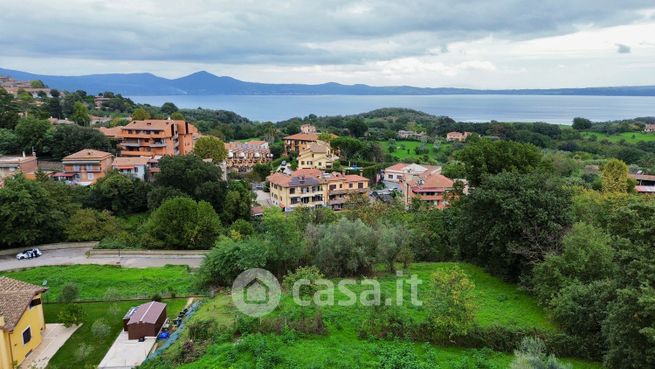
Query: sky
{"x": 449, "y": 43}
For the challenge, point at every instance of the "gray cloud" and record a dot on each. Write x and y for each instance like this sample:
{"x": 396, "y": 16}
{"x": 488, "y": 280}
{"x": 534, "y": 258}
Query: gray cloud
{"x": 623, "y": 49}
{"x": 294, "y": 32}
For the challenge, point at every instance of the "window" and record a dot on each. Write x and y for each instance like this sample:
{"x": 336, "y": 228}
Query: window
{"x": 390, "y": 176}
{"x": 89, "y": 175}
{"x": 76, "y": 168}
{"x": 90, "y": 167}
{"x": 27, "y": 335}
{"x": 360, "y": 185}
{"x": 292, "y": 190}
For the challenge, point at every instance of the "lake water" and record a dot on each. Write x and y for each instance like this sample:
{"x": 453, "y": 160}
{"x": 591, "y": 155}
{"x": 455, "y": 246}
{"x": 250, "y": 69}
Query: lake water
{"x": 474, "y": 108}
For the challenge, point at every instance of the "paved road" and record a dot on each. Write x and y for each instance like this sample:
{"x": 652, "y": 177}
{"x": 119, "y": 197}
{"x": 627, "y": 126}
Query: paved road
{"x": 68, "y": 256}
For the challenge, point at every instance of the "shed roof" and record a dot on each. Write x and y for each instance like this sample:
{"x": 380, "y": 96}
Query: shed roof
{"x": 147, "y": 313}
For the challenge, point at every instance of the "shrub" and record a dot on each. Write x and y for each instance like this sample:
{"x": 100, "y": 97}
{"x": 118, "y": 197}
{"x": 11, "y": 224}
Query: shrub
{"x": 69, "y": 293}
{"x": 100, "y": 329}
{"x": 91, "y": 225}
{"x": 230, "y": 257}
{"x": 202, "y": 330}
{"x": 310, "y": 273}
{"x": 532, "y": 354}
{"x": 71, "y": 314}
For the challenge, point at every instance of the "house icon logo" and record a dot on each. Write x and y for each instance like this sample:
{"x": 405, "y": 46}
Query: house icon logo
{"x": 256, "y": 292}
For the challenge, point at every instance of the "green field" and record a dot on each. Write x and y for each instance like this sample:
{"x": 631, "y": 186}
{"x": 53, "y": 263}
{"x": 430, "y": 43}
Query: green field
{"x": 498, "y": 304}
{"x": 630, "y": 137}
{"x": 96, "y": 282}
{"x": 69, "y": 356}
{"x": 405, "y": 149}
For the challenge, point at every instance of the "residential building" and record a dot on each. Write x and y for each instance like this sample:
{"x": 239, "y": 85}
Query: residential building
{"x": 313, "y": 188}
{"x": 243, "y": 156}
{"x": 457, "y": 136}
{"x": 317, "y": 155}
{"x": 645, "y": 183}
{"x": 412, "y": 135}
{"x": 307, "y": 128}
{"x": 154, "y": 137}
{"x": 429, "y": 187}
{"x": 392, "y": 175}
{"x": 11, "y": 165}
{"x": 85, "y": 167}
{"x": 294, "y": 144}
{"x": 137, "y": 167}
{"x": 99, "y": 100}
{"x": 301, "y": 188}
{"x": 56, "y": 121}
{"x": 649, "y": 128}
{"x": 21, "y": 321}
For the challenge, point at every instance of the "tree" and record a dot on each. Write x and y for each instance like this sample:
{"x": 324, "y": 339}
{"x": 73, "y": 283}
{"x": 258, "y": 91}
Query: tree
{"x": 8, "y": 110}
{"x": 8, "y": 142}
{"x": 357, "y": 127}
{"x": 450, "y": 304}
{"x": 91, "y": 225}
{"x": 34, "y": 134}
{"x": 238, "y": 201}
{"x": 485, "y": 157}
{"x": 160, "y": 194}
{"x": 586, "y": 256}
{"x": 140, "y": 114}
{"x": 429, "y": 234}
{"x": 80, "y": 114}
{"x": 229, "y": 258}
{"x": 177, "y": 116}
{"x": 37, "y": 84}
{"x": 581, "y": 124}
{"x": 615, "y": 176}
{"x": 33, "y": 212}
{"x": 210, "y": 147}
{"x": 100, "y": 329}
{"x": 348, "y": 146}
{"x": 53, "y": 105}
{"x": 68, "y": 139}
{"x": 120, "y": 194}
{"x": 392, "y": 245}
{"x": 168, "y": 108}
{"x": 71, "y": 314}
{"x": 534, "y": 209}
{"x": 181, "y": 223}
{"x": 69, "y": 293}
{"x": 284, "y": 239}
{"x": 343, "y": 248}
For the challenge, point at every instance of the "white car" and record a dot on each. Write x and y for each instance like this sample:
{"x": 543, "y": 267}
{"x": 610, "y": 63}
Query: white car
{"x": 29, "y": 254}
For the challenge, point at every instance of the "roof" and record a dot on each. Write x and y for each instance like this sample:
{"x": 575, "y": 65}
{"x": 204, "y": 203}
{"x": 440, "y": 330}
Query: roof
{"x": 643, "y": 177}
{"x": 303, "y": 137}
{"x": 124, "y": 161}
{"x": 279, "y": 179}
{"x": 319, "y": 147}
{"x": 152, "y": 124}
{"x": 111, "y": 132}
{"x": 16, "y": 159}
{"x": 87, "y": 154}
{"x": 147, "y": 313}
{"x": 15, "y": 297}
{"x": 397, "y": 167}
{"x": 307, "y": 172}
{"x": 430, "y": 181}
{"x": 645, "y": 189}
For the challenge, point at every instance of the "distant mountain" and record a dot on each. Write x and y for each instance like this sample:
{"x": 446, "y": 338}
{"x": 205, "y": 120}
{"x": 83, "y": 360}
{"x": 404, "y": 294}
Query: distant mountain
{"x": 205, "y": 83}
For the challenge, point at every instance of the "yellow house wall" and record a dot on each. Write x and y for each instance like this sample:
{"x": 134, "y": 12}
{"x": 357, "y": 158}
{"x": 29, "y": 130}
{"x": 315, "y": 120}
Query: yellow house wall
{"x": 318, "y": 161}
{"x": 5, "y": 354}
{"x": 32, "y": 318}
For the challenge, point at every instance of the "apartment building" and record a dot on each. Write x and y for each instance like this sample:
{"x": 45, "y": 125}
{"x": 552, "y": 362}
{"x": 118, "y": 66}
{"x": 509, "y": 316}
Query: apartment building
{"x": 392, "y": 175}
{"x": 429, "y": 187}
{"x": 313, "y": 188}
{"x": 457, "y": 136}
{"x": 243, "y": 156}
{"x": 155, "y": 137}
{"x": 85, "y": 167}
{"x": 317, "y": 155}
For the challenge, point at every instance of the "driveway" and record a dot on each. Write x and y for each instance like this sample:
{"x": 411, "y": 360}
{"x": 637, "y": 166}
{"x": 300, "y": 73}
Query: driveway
{"x": 126, "y": 353}
{"x": 54, "y": 336}
{"x": 79, "y": 255}
{"x": 263, "y": 198}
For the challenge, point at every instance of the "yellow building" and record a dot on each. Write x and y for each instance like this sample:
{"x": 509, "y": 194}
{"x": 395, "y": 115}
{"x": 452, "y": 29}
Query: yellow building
{"x": 21, "y": 321}
{"x": 317, "y": 155}
{"x": 313, "y": 188}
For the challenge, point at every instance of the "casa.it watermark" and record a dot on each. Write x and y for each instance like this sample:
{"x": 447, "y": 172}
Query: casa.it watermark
{"x": 256, "y": 292}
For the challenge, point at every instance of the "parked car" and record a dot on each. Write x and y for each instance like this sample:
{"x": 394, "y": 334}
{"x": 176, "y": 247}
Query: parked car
{"x": 29, "y": 254}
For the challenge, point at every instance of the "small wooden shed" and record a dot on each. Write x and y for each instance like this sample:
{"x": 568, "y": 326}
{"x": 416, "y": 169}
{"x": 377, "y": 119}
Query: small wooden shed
{"x": 145, "y": 320}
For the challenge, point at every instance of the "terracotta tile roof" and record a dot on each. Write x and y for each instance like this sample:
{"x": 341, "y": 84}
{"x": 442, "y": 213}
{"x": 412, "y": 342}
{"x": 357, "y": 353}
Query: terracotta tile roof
{"x": 307, "y": 172}
{"x": 397, "y": 167}
{"x": 87, "y": 154}
{"x": 15, "y": 297}
{"x": 430, "y": 181}
{"x": 645, "y": 189}
{"x": 303, "y": 137}
{"x": 124, "y": 161}
{"x": 152, "y": 124}
{"x": 111, "y": 132}
{"x": 279, "y": 179}
{"x": 147, "y": 313}
{"x": 643, "y": 177}
{"x": 319, "y": 147}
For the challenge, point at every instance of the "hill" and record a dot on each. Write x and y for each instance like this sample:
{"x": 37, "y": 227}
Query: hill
{"x": 205, "y": 83}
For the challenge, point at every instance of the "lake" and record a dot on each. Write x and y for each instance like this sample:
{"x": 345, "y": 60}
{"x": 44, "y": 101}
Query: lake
{"x": 473, "y": 108}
